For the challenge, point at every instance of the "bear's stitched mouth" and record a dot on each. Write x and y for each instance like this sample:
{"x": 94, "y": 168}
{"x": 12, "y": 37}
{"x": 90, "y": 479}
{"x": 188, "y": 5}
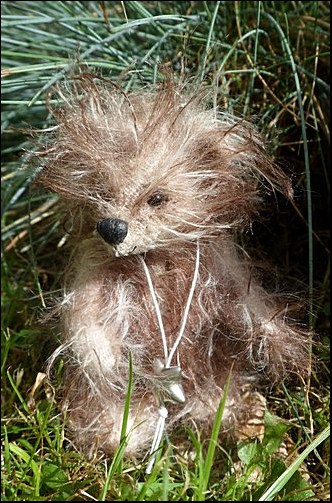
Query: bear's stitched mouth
{"x": 120, "y": 254}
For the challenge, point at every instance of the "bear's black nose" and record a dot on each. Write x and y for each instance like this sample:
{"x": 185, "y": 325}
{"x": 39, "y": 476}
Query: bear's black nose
{"x": 112, "y": 230}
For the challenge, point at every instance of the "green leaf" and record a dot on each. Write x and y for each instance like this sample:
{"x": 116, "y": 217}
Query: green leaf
{"x": 53, "y": 476}
{"x": 25, "y": 456}
{"x": 275, "y": 428}
{"x": 247, "y": 452}
{"x": 297, "y": 489}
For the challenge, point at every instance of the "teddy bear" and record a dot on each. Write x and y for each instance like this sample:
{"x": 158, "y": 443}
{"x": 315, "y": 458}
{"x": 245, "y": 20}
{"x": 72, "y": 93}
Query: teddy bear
{"x": 155, "y": 185}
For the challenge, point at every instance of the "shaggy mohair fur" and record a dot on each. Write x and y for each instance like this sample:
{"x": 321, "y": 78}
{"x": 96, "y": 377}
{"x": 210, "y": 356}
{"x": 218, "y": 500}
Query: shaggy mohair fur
{"x": 151, "y": 176}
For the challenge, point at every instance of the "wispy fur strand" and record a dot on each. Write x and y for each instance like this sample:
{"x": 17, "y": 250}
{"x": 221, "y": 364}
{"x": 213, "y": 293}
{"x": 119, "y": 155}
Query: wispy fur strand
{"x": 157, "y": 172}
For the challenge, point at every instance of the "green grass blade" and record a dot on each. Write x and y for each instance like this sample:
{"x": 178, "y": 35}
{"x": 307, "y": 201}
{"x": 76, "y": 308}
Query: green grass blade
{"x": 207, "y": 463}
{"x": 116, "y": 465}
{"x": 284, "y": 478}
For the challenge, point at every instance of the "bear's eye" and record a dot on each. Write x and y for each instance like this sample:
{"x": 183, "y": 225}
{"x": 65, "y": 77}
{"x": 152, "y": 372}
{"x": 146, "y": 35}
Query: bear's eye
{"x": 157, "y": 198}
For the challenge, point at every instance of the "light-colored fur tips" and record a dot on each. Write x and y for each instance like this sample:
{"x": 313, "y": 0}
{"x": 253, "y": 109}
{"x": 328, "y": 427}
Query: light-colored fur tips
{"x": 148, "y": 178}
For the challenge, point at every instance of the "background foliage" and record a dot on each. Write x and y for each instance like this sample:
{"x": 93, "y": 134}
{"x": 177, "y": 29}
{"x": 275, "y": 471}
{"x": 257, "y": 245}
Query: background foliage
{"x": 267, "y": 60}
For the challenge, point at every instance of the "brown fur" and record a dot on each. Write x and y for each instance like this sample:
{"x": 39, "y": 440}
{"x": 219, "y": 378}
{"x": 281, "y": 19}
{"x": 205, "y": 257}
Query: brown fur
{"x": 179, "y": 173}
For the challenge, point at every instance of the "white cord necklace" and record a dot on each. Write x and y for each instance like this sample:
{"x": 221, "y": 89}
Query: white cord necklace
{"x": 171, "y": 375}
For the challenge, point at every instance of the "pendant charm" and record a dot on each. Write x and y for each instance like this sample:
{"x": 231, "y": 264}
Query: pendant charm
{"x": 169, "y": 381}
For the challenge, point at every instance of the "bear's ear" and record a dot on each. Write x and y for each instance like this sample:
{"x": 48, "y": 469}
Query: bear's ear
{"x": 231, "y": 172}
{"x": 77, "y": 152}
{"x": 233, "y": 149}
